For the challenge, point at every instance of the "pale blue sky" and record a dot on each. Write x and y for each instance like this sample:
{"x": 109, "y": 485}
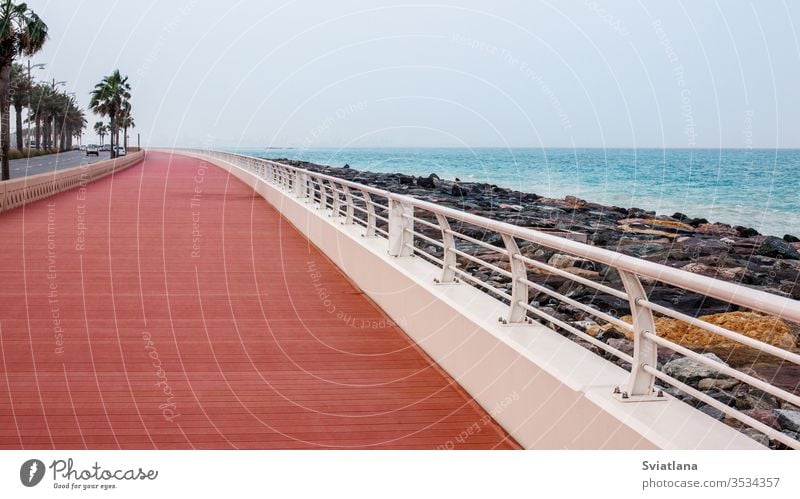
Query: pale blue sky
{"x": 500, "y": 73}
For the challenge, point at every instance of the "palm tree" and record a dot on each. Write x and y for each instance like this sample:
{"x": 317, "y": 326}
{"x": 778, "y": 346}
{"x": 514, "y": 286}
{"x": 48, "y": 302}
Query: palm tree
{"x": 20, "y": 91}
{"x": 22, "y": 32}
{"x": 126, "y": 121}
{"x": 47, "y": 109}
{"x": 108, "y": 99}
{"x": 100, "y": 129}
{"x": 39, "y": 98}
{"x": 68, "y": 117}
{"x": 74, "y": 123}
{"x": 57, "y": 113}
{"x": 77, "y": 122}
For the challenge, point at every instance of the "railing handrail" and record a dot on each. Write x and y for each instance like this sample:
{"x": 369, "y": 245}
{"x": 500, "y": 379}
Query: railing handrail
{"x": 768, "y": 303}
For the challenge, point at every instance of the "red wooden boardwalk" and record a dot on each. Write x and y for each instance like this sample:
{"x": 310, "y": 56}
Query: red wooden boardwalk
{"x": 170, "y": 307}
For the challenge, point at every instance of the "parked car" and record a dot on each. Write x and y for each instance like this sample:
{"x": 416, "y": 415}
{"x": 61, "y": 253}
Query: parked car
{"x": 121, "y": 151}
{"x": 92, "y": 149}
{"x": 105, "y": 147}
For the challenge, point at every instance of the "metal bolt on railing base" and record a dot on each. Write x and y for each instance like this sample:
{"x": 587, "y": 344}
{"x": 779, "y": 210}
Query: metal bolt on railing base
{"x": 439, "y": 282}
{"x": 655, "y": 396}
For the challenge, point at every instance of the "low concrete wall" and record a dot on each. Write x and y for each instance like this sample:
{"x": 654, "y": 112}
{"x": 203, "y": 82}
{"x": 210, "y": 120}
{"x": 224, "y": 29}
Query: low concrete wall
{"x": 545, "y": 390}
{"x": 21, "y": 191}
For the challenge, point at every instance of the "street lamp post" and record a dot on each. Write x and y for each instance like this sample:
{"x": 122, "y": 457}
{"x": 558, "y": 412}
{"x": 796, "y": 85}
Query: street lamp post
{"x": 30, "y": 97}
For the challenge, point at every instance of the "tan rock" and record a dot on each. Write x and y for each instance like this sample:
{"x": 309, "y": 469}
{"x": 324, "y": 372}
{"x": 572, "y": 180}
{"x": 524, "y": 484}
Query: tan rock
{"x": 718, "y": 230}
{"x": 562, "y": 261}
{"x": 651, "y": 232}
{"x": 574, "y": 202}
{"x": 722, "y": 384}
{"x": 761, "y": 327}
{"x": 657, "y": 222}
{"x": 728, "y": 274}
{"x": 596, "y": 329}
{"x": 588, "y": 274}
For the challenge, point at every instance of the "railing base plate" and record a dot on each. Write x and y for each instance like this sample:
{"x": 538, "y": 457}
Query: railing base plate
{"x": 624, "y": 397}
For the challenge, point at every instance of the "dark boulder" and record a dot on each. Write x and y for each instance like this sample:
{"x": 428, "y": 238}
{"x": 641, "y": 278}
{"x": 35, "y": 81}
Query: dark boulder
{"x": 697, "y": 222}
{"x": 405, "y": 180}
{"x": 722, "y": 396}
{"x": 530, "y": 198}
{"x": 607, "y": 303}
{"x": 775, "y": 247}
{"x": 640, "y": 213}
{"x": 680, "y": 217}
{"x": 791, "y": 239}
{"x": 605, "y": 237}
{"x": 428, "y": 182}
{"x": 746, "y": 231}
{"x": 712, "y": 411}
{"x": 697, "y": 246}
{"x": 458, "y": 191}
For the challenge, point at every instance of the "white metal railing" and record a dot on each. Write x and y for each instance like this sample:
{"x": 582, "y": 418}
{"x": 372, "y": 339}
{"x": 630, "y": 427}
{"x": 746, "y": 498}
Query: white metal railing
{"x": 403, "y": 220}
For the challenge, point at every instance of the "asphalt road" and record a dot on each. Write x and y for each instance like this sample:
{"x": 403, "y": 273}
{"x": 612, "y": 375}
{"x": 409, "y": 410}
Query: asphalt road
{"x": 52, "y": 162}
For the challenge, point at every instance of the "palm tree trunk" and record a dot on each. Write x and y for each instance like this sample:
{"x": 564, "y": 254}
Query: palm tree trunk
{"x": 112, "y": 138}
{"x": 38, "y": 130}
{"x": 125, "y": 137}
{"x": 20, "y": 143}
{"x": 5, "y": 133}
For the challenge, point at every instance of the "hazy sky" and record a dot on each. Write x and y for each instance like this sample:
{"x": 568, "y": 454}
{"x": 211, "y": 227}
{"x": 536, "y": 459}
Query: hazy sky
{"x": 358, "y": 73}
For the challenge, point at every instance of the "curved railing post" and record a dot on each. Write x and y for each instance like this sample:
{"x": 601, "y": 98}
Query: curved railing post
{"x": 641, "y": 384}
{"x": 401, "y": 223}
{"x": 449, "y": 256}
{"x": 336, "y": 204}
{"x": 519, "y": 289}
{"x": 283, "y": 180}
{"x": 299, "y": 184}
{"x": 323, "y": 194}
{"x": 348, "y": 199}
{"x": 372, "y": 220}
{"x": 287, "y": 180}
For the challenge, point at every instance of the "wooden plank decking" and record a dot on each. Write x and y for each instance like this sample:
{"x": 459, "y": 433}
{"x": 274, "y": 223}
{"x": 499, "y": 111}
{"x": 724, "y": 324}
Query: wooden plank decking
{"x": 193, "y": 316}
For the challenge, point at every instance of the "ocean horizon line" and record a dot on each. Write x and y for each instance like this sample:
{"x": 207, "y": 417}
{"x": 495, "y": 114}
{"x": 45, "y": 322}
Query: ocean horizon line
{"x": 554, "y": 148}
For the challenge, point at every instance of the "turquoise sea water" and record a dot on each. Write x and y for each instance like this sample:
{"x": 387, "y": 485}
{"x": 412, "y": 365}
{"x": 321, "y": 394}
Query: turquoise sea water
{"x": 755, "y": 188}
